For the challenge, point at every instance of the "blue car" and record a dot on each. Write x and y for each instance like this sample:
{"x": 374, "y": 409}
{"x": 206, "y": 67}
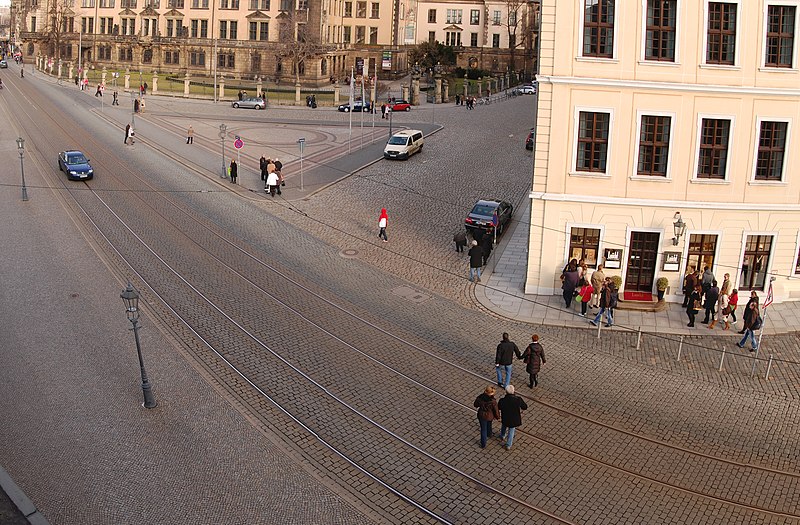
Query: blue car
{"x": 75, "y": 165}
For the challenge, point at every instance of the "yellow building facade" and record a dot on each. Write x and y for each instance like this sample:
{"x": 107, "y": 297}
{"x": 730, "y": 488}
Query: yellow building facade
{"x": 661, "y": 110}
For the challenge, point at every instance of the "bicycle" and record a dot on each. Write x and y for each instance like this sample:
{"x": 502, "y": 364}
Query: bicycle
{"x": 484, "y": 100}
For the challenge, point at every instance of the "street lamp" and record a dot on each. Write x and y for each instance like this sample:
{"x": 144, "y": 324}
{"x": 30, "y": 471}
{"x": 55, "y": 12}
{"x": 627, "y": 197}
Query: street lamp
{"x": 131, "y": 299}
{"x": 679, "y": 226}
{"x": 301, "y": 142}
{"x": 223, "y": 129}
{"x": 21, "y": 148}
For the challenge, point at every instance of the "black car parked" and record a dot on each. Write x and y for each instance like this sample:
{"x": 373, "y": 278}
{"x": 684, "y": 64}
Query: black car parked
{"x": 482, "y": 216}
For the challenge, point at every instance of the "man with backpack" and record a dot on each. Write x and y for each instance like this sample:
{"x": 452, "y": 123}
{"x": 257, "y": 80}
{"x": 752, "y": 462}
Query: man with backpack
{"x": 608, "y": 301}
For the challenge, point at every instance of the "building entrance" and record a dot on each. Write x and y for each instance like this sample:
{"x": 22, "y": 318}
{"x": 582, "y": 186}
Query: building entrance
{"x": 642, "y": 257}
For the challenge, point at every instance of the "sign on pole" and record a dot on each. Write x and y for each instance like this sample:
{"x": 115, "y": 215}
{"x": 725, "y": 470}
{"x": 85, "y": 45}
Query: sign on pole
{"x": 237, "y": 143}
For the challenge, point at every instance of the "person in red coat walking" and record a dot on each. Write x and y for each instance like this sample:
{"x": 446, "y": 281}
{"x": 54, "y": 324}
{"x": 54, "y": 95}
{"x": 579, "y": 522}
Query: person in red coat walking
{"x": 533, "y": 356}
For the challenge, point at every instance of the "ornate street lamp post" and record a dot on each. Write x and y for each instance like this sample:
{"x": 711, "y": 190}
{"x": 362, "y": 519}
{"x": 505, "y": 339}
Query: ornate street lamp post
{"x": 131, "y": 299}
{"x": 21, "y": 148}
{"x": 223, "y": 130}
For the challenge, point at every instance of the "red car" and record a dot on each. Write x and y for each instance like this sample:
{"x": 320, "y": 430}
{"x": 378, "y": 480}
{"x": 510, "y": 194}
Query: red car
{"x": 401, "y": 105}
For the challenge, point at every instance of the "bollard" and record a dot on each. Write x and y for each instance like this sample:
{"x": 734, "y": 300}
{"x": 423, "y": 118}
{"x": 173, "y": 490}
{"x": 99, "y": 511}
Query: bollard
{"x": 680, "y": 348}
{"x": 598, "y": 328}
{"x": 639, "y": 338}
{"x": 769, "y": 366}
{"x": 721, "y": 360}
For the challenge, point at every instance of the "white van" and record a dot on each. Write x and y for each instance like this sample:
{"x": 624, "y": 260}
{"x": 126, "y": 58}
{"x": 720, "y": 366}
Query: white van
{"x": 404, "y": 144}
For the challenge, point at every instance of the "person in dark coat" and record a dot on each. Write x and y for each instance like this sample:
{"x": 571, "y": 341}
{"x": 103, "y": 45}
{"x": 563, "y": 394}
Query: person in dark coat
{"x": 689, "y": 282}
{"x": 487, "y": 412}
{"x": 511, "y": 407}
{"x": 569, "y": 281}
{"x": 475, "y": 259}
{"x": 234, "y": 170}
{"x": 127, "y": 133}
{"x": 710, "y": 304}
{"x": 486, "y": 246}
{"x": 460, "y": 238}
{"x": 533, "y": 357}
{"x": 753, "y": 299}
{"x": 503, "y": 359}
{"x": 694, "y": 301}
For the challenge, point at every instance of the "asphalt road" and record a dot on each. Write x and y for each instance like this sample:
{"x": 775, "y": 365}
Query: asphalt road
{"x": 297, "y": 384}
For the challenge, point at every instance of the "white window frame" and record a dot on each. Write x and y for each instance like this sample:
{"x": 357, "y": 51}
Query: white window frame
{"x": 786, "y": 151}
{"x": 687, "y": 235}
{"x": 568, "y": 233}
{"x": 635, "y": 171}
{"x": 745, "y": 234}
{"x": 579, "y": 54}
{"x": 792, "y": 274}
{"x": 763, "y": 60}
{"x": 697, "y": 138}
{"x": 738, "y": 54}
{"x": 576, "y": 123}
{"x": 643, "y": 43}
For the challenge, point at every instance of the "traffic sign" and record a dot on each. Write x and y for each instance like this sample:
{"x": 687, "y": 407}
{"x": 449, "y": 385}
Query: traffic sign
{"x": 302, "y": 143}
{"x": 238, "y": 144}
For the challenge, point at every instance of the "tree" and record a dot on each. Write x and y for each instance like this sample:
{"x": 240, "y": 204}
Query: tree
{"x": 297, "y": 44}
{"x": 428, "y": 54}
{"x": 519, "y": 24}
{"x": 60, "y": 21}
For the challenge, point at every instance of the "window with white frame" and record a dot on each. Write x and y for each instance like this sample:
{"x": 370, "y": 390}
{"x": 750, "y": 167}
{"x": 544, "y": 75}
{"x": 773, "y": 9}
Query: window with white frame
{"x": 721, "y": 33}
{"x": 453, "y": 38}
{"x": 593, "y": 132}
{"x": 598, "y": 28}
{"x": 496, "y": 17}
{"x": 661, "y": 29}
{"x": 654, "y": 135}
{"x": 757, "y": 252}
{"x": 780, "y": 36}
{"x": 495, "y": 40}
{"x": 473, "y": 39}
{"x": 474, "y": 17}
{"x": 714, "y": 140}
{"x": 584, "y": 243}
{"x": 771, "y": 151}
{"x": 454, "y": 16}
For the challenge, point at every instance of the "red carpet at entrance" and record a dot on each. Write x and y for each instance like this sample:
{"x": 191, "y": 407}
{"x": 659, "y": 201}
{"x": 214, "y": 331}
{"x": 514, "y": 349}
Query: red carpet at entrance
{"x": 637, "y": 296}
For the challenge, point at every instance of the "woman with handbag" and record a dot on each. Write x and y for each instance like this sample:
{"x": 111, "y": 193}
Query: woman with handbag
{"x": 694, "y": 305}
{"x": 723, "y": 311}
{"x": 533, "y": 357}
{"x": 487, "y": 412}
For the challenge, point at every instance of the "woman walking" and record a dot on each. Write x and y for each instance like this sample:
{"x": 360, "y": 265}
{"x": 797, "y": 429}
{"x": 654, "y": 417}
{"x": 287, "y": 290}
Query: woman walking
{"x": 569, "y": 281}
{"x": 487, "y": 412}
{"x": 723, "y": 311}
{"x": 733, "y": 302}
{"x": 533, "y": 356}
{"x": 383, "y": 220}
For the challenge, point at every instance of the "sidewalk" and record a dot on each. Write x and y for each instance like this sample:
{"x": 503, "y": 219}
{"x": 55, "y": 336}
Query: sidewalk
{"x": 503, "y": 293}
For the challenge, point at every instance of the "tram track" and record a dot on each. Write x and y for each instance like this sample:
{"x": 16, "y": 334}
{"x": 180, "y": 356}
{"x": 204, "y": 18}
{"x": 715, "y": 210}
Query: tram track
{"x": 257, "y": 259}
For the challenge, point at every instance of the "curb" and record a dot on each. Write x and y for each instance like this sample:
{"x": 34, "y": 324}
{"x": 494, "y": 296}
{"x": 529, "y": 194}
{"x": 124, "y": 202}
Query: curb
{"x": 23, "y": 503}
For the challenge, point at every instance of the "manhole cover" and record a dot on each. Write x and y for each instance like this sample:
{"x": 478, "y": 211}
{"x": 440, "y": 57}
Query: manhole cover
{"x": 348, "y": 253}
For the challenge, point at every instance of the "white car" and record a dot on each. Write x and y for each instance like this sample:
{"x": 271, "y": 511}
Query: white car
{"x": 526, "y": 90}
{"x": 404, "y": 144}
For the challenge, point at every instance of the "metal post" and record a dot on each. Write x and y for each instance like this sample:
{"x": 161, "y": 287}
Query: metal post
{"x": 760, "y": 334}
{"x": 302, "y": 143}
{"x": 769, "y": 366}
{"x": 390, "y": 122}
{"x": 721, "y": 359}
{"x": 147, "y": 389}
{"x": 639, "y": 338}
{"x": 598, "y": 327}
{"x": 680, "y": 348}
{"x": 222, "y": 133}
{"x": 22, "y": 170}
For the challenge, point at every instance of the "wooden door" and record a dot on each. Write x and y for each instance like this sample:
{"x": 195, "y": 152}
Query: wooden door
{"x": 642, "y": 257}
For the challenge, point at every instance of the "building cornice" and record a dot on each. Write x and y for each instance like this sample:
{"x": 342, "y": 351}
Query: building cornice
{"x": 662, "y": 203}
{"x": 668, "y": 86}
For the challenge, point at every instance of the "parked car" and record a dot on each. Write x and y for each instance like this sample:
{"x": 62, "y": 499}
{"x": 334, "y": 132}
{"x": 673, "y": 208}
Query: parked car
{"x": 404, "y": 144}
{"x": 526, "y": 90}
{"x": 529, "y": 140}
{"x": 482, "y": 216}
{"x": 358, "y": 105}
{"x": 3, "y": 64}
{"x": 75, "y": 165}
{"x": 401, "y": 105}
{"x": 250, "y": 103}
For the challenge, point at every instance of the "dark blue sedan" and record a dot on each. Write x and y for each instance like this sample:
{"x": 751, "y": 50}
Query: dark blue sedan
{"x": 75, "y": 165}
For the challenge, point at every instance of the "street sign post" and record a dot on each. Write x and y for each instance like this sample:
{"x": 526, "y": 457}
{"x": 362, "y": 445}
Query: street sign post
{"x": 238, "y": 144}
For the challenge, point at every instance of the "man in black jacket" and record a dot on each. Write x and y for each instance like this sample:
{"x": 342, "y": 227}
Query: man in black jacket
{"x": 475, "y": 259}
{"x": 503, "y": 358}
{"x": 710, "y": 304}
{"x": 511, "y": 408}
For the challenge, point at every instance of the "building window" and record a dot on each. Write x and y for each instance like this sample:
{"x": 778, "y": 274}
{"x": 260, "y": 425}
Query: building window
{"x": 713, "y": 159}
{"x": 287, "y": 5}
{"x": 654, "y": 145}
{"x": 598, "y": 28}
{"x": 104, "y": 52}
{"x": 302, "y": 5}
{"x": 226, "y": 60}
{"x": 495, "y": 40}
{"x": 126, "y": 54}
{"x": 348, "y": 9}
{"x": 757, "y": 249}
{"x": 233, "y": 27}
{"x": 702, "y": 249}
{"x": 199, "y": 4}
{"x": 175, "y": 4}
{"x": 347, "y": 34}
{"x": 107, "y": 3}
{"x": 197, "y": 58}
{"x": 172, "y": 57}
{"x": 203, "y": 28}
{"x": 592, "y": 141}
{"x": 253, "y": 30}
{"x": 147, "y": 56}
{"x": 255, "y": 63}
{"x": 223, "y": 29}
{"x": 254, "y": 5}
{"x": 263, "y": 31}
{"x": 496, "y": 18}
{"x": 431, "y": 36}
{"x": 473, "y": 39}
{"x": 661, "y": 28}
{"x": 33, "y": 25}
{"x": 361, "y": 10}
{"x": 195, "y": 24}
{"x": 474, "y": 17}
{"x": 780, "y": 36}
{"x": 721, "y": 47}
{"x": 373, "y": 35}
{"x": 152, "y": 3}
{"x": 453, "y": 38}
{"x": 130, "y": 4}
{"x": 454, "y": 16}
{"x": 431, "y": 16}
{"x": 87, "y": 3}
{"x": 584, "y": 243}
{"x": 512, "y": 19}
{"x": 771, "y": 151}
{"x": 128, "y": 26}
{"x": 360, "y": 34}
{"x": 106, "y": 25}
{"x": 376, "y": 10}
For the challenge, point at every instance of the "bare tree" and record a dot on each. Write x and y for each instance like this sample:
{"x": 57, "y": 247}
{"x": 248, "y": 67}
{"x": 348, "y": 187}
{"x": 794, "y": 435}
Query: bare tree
{"x": 297, "y": 43}
{"x": 519, "y": 23}
{"x": 60, "y": 22}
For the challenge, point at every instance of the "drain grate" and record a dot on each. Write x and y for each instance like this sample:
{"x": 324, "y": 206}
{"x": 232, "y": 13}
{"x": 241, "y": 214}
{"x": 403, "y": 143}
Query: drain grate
{"x": 411, "y": 294}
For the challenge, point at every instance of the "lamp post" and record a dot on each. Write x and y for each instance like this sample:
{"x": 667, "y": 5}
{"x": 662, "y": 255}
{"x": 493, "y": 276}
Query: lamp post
{"x": 679, "y": 226}
{"x": 301, "y": 142}
{"x": 131, "y": 299}
{"x": 21, "y": 148}
{"x": 223, "y": 129}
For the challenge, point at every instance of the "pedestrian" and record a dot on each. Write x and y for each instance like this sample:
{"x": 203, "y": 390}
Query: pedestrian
{"x": 98, "y": 93}
{"x": 504, "y": 359}
{"x": 585, "y": 295}
{"x": 115, "y": 99}
{"x": 608, "y": 301}
{"x": 272, "y": 181}
{"x": 706, "y": 279}
{"x": 241, "y": 94}
{"x": 689, "y": 282}
{"x": 752, "y": 322}
{"x": 383, "y": 110}
{"x": 710, "y": 303}
{"x": 458, "y": 99}
{"x": 598, "y": 278}
{"x": 278, "y": 171}
{"x": 475, "y": 259}
{"x": 533, "y": 357}
{"x": 486, "y": 247}
{"x": 190, "y": 135}
{"x": 234, "y": 171}
{"x": 383, "y": 221}
{"x": 127, "y": 134}
{"x": 460, "y": 238}
{"x": 733, "y": 302}
{"x": 723, "y": 311}
{"x": 487, "y": 412}
{"x": 511, "y": 407}
{"x": 694, "y": 304}
{"x": 144, "y": 89}
{"x": 569, "y": 281}
{"x": 583, "y": 270}
{"x": 753, "y": 299}
{"x": 77, "y": 80}
{"x": 141, "y": 106}
{"x": 136, "y": 105}
{"x": 86, "y": 84}
{"x": 262, "y": 164}
{"x": 727, "y": 285}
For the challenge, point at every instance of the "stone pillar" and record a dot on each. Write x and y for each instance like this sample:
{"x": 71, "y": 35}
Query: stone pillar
{"x": 50, "y": 65}
{"x": 259, "y": 86}
{"x": 502, "y": 83}
{"x": 373, "y": 91}
{"x": 221, "y": 87}
{"x": 297, "y": 94}
{"x": 186, "y": 84}
{"x": 60, "y": 65}
{"x": 154, "y": 89}
{"x": 103, "y": 75}
{"x": 445, "y": 91}
{"x": 437, "y": 88}
{"x": 404, "y": 92}
{"x": 415, "y": 91}
{"x": 127, "y": 79}
{"x": 336, "y": 90}
{"x": 86, "y": 72}
{"x": 71, "y": 71}
{"x": 466, "y": 86}
{"x": 480, "y": 87}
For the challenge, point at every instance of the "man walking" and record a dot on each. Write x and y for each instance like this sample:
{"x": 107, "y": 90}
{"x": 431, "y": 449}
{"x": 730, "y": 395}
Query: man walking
{"x": 127, "y": 134}
{"x": 475, "y": 259}
{"x": 710, "y": 304}
{"x": 598, "y": 278}
{"x": 503, "y": 359}
{"x": 608, "y": 301}
{"x": 190, "y": 135}
{"x": 511, "y": 407}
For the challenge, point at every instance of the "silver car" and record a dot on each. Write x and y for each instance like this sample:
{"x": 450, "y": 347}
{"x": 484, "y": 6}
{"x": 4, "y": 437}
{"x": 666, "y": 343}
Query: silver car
{"x": 250, "y": 103}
